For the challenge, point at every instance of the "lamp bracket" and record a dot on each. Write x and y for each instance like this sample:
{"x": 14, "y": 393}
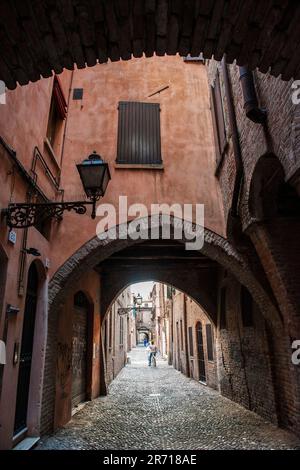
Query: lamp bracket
{"x": 29, "y": 214}
{"x": 126, "y": 310}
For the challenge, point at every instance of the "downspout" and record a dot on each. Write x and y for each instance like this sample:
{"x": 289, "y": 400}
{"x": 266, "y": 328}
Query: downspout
{"x": 186, "y": 337}
{"x": 253, "y": 111}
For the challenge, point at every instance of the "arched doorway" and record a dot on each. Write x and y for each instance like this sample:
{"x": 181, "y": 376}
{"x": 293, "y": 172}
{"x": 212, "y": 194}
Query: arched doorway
{"x": 25, "y": 360}
{"x": 200, "y": 353}
{"x": 79, "y": 349}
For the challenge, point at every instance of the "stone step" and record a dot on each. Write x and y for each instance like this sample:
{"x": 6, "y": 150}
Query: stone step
{"x": 27, "y": 443}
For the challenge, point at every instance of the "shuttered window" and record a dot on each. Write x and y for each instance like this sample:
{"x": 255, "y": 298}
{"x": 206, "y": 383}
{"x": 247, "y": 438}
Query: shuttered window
{"x": 209, "y": 342}
{"x": 218, "y": 119}
{"x": 139, "y": 134}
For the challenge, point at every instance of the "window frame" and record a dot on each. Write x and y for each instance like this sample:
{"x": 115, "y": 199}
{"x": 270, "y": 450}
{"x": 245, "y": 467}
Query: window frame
{"x": 139, "y": 122}
{"x": 59, "y": 108}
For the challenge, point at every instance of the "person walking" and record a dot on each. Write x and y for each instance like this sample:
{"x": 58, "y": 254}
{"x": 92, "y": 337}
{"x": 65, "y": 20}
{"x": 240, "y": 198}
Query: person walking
{"x": 152, "y": 350}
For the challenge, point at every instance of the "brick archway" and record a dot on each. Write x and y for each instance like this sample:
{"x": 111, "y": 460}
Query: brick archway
{"x": 41, "y": 37}
{"x": 96, "y": 250}
{"x": 215, "y": 247}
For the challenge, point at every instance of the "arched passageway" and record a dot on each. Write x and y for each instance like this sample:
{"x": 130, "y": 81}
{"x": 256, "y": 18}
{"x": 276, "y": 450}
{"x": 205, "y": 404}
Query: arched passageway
{"x": 68, "y": 33}
{"x": 213, "y": 277}
{"x": 154, "y": 405}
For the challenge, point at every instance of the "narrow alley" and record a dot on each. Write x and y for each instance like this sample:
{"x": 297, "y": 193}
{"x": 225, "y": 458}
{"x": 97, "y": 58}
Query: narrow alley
{"x": 149, "y": 204}
{"x": 159, "y": 408}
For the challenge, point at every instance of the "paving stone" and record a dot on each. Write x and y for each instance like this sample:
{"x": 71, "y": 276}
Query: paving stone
{"x": 160, "y": 408}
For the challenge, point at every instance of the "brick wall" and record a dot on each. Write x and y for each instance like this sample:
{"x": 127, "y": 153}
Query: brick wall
{"x": 276, "y": 245}
{"x": 183, "y": 360}
{"x": 116, "y": 344}
{"x": 244, "y": 370}
{"x": 281, "y": 135}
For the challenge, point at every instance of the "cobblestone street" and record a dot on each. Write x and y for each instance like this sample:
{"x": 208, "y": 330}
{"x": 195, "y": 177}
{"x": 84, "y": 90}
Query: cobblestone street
{"x": 149, "y": 408}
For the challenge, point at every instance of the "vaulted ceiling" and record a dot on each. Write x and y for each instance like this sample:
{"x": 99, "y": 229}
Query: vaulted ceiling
{"x": 38, "y": 37}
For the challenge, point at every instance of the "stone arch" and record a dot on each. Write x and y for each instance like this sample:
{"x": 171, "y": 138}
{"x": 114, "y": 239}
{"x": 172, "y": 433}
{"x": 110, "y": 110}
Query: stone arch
{"x": 215, "y": 247}
{"x": 119, "y": 290}
{"x": 97, "y": 250}
{"x": 86, "y": 34}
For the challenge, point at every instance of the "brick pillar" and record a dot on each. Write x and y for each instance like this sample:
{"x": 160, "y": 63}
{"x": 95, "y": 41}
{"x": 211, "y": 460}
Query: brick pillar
{"x": 277, "y": 244}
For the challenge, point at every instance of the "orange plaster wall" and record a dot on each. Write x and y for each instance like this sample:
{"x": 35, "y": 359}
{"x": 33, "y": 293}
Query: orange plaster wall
{"x": 187, "y": 141}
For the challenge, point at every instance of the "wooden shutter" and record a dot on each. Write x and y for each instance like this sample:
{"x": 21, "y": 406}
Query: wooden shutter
{"x": 139, "y": 139}
{"x": 209, "y": 342}
{"x": 218, "y": 118}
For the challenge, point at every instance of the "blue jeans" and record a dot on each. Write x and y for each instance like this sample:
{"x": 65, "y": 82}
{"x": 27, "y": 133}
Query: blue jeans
{"x": 150, "y": 357}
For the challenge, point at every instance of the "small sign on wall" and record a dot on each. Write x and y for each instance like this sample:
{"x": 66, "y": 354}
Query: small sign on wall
{"x": 12, "y": 237}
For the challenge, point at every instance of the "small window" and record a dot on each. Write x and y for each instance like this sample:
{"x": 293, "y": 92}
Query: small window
{"x": 218, "y": 119}
{"x": 223, "y": 309}
{"x": 77, "y": 94}
{"x": 210, "y": 342}
{"x": 139, "y": 140}
{"x": 246, "y": 307}
{"x": 58, "y": 112}
{"x": 191, "y": 341}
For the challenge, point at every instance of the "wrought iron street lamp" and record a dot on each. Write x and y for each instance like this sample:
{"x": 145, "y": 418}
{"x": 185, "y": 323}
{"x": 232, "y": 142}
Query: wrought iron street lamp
{"x": 95, "y": 176}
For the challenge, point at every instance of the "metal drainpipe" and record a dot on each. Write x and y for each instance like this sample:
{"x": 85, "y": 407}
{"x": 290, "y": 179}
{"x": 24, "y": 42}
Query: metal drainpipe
{"x": 186, "y": 336}
{"x": 253, "y": 111}
{"x": 234, "y": 211}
